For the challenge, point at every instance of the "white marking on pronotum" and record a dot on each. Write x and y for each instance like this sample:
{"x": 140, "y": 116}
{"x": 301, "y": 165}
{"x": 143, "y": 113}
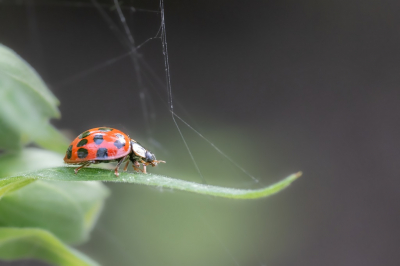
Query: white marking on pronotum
{"x": 139, "y": 150}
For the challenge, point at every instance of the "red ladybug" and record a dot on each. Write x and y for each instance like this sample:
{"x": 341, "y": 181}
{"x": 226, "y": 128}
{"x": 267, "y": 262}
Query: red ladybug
{"x": 104, "y": 145}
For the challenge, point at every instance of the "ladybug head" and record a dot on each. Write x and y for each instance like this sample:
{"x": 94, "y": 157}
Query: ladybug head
{"x": 150, "y": 158}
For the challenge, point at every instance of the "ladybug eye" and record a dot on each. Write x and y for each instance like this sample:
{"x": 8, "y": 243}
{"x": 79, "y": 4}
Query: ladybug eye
{"x": 150, "y": 157}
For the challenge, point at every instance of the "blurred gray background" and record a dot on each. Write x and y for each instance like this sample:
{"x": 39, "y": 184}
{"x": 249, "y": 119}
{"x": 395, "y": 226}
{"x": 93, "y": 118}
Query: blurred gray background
{"x": 279, "y": 86}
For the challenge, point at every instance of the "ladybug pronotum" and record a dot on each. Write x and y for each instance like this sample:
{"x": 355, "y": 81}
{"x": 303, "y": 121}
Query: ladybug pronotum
{"x": 104, "y": 145}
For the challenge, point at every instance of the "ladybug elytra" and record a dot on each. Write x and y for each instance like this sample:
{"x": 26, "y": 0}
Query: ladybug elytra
{"x": 105, "y": 144}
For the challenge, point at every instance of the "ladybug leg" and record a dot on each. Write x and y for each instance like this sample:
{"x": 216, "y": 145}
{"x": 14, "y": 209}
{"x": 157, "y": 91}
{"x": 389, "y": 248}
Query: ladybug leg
{"x": 136, "y": 167}
{"x": 118, "y": 165}
{"x": 144, "y": 169}
{"x": 144, "y": 166}
{"x": 126, "y": 166}
{"x": 83, "y": 165}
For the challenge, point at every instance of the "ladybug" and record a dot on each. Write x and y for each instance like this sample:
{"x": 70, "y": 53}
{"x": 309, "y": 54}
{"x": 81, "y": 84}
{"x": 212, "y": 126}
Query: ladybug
{"x": 104, "y": 145}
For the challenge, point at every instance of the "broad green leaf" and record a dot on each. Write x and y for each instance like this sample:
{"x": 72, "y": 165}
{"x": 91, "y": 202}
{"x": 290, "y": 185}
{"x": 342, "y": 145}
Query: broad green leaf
{"x": 67, "y": 209}
{"x": 52, "y": 139}
{"x": 10, "y": 139}
{"x": 10, "y": 185}
{"x": 28, "y": 159}
{"x": 96, "y": 174}
{"x": 33, "y": 243}
{"x": 26, "y": 104}
{"x": 20, "y": 71}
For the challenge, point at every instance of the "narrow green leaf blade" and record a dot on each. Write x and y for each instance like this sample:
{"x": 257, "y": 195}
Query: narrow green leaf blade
{"x": 96, "y": 174}
{"x": 33, "y": 243}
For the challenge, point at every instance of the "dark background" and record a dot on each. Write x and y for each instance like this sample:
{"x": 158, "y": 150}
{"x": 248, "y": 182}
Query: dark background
{"x": 280, "y": 86}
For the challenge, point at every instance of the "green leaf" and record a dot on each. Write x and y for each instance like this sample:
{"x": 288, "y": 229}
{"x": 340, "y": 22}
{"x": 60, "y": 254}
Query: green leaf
{"x": 12, "y": 65}
{"x": 10, "y": 185}
{"x": 96, "y": 174}
{"x": 73, "y": 206}
{"x": 67, "y": 209}
{"x": 52, "y": 139}
{"x": 10, "y": 139}
{"x": 19, "y": 243}
{"x": 28, "y": 159}
{"x": 26, "y": 104}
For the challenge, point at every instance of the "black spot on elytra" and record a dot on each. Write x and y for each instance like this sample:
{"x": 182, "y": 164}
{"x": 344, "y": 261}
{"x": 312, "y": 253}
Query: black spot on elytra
{"x": 69, "y": 152}
{"x": 98, "y": 139}
{"x": 120, "y": 142}
{"x": 84, "y": 134}
{"x": 82, "y": 153}
{"x": 81, "y": 143}
{"x": 102, "y": 153}
{"x": 105, "y": 129}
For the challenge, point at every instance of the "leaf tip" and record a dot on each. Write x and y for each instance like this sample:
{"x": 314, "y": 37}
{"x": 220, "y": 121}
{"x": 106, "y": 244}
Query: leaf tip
{"x": 298, "y": 174}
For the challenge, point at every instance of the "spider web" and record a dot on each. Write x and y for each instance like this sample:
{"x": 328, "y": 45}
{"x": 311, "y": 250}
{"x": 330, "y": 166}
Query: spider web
{"x": 126, "y": 38}
{"x": 162, "y": 34}
{"x": 115, "y": 17}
